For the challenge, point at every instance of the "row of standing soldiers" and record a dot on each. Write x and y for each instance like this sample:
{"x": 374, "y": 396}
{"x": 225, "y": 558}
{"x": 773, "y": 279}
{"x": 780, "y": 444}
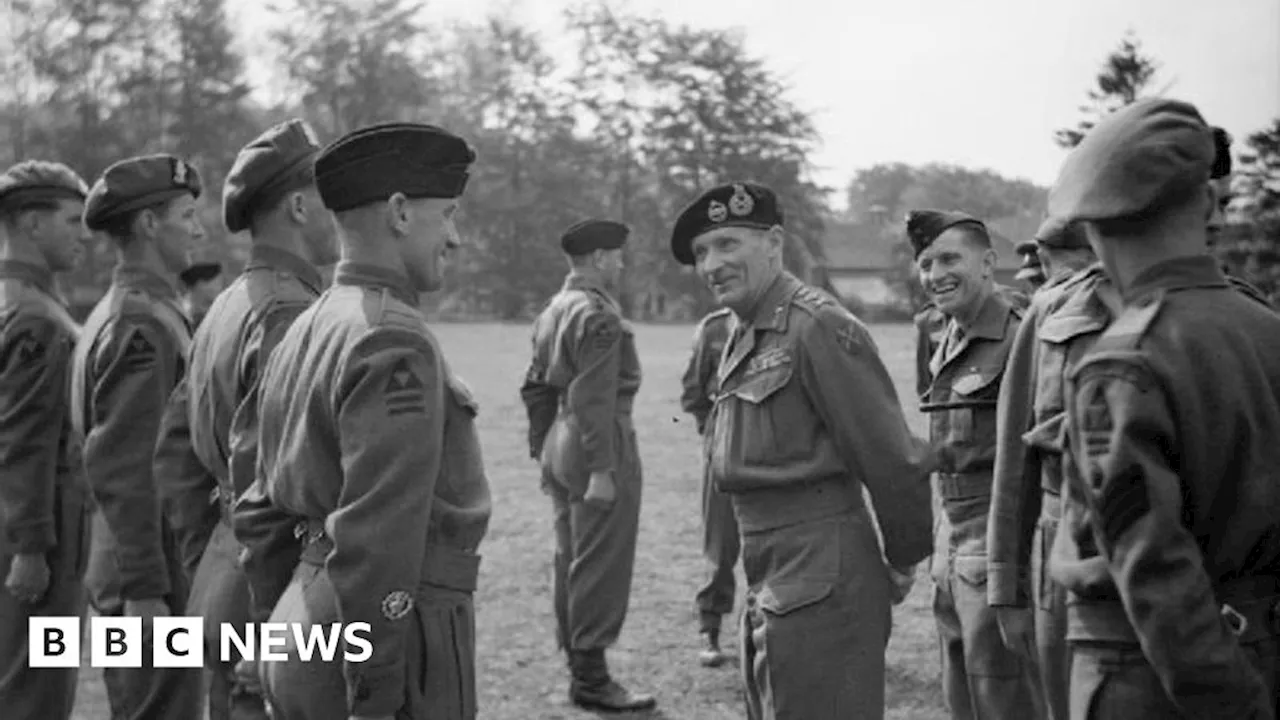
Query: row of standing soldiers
{"x": 308, "y": 455}
{"x": 1105, "y": 472}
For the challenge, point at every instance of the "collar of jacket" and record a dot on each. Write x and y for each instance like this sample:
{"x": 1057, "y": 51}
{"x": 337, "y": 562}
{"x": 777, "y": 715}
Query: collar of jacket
{"x": 277, "y": 258}
{"x": 41, "y": 277}
{"x": 372, "y": 276}
{"x": 145, "y": 279}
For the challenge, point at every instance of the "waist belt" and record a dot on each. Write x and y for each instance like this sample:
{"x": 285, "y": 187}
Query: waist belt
{"x": 1250, "y": 609}
{"x": 766, "y": 509}
{"x": 442, "y": 566}
{"x": 961, "y": 486}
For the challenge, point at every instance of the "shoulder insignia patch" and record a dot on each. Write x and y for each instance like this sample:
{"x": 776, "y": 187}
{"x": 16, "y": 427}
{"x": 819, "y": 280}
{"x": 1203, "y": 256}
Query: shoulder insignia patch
{"x": 29, "y": 349}
{"x": 396, "y": 605}
{"x": 1095, "y": 423}
{"x": 1122, "y": 501}
{"x": 404, "y": 392}
{"x": 850, "y": 338}
{"x": 601, "y": 335}
{"x": 140, "y": 354}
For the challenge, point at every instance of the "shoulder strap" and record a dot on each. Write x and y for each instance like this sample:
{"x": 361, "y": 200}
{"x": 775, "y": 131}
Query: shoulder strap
{"x": 1130, "y": 325}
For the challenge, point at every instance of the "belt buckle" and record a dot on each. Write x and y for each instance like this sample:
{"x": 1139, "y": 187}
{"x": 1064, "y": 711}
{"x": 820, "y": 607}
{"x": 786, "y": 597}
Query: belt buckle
{"x": 1237, "y": 623}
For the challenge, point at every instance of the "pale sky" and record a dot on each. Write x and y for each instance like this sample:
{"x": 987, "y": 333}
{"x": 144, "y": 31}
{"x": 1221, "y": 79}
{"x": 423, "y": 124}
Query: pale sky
{"x": 980, "y": 83}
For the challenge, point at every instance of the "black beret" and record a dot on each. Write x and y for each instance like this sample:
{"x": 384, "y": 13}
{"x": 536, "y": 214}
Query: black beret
{"x": 263, "y": 166}
{"x": 35, "y": 180}
{"x": 200, "y": 272}
{"x": 588, "y": 236}
{"x": 734, "y": 205}
{"x": 373, "y": 163}
{"x": 924, "y": 226}
{"x": 1054, "y": 233}
{"x": 1221, "y": 154}
{"x": 1025, "y": 248}
{"x": 136, "y": 183}
{"x": 1132, "y": 160}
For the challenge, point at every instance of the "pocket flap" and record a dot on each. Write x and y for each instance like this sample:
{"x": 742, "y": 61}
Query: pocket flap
{"x": 787, "y": 597}
{"x": 976, "y": 380}
{"x": 757, "y": 388}
{"x": 1068, "y": 322}
{"x": 1048, "y": 435}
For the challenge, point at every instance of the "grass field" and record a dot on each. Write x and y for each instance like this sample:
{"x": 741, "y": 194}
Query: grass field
{"x": 521, "y": 675}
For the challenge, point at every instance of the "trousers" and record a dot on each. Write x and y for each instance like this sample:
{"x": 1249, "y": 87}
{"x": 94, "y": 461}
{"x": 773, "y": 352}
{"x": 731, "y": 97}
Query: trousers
{"x": 440, "y": 681}
{"x": 1050, "y": 602}
{"x": 220, "y": 594}
{"x": 720, "y": 548}
{"x": 45, "y": 693}
{"x": 148, "y": 692}
{"x": 595, "y": 552}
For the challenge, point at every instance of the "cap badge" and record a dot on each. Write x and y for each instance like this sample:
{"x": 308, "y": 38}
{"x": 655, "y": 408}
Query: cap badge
{"x": 179, "y": 173}
{"x": 716, "y": 211}
{"x": 741, "y": 203}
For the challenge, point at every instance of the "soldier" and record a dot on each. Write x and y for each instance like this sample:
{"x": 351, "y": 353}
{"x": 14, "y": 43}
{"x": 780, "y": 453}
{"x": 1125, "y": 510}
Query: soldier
{"x": 270, "y": 192}
{"x": 130, "y": 355}
{"x": 931, "y": 325}
{"x": 720, "y": 544}
{"x": 578, "y": 392}
{"x": 198, "y": 289}
{"x": 981, "y": 677}
{"x": 1026, "y": 484}
{"x": 1031, "y": 274}
{"x": 793, "y": 452}
{"x": 1168, "y": 545}
{"x": 43, "y": 498}
{"x": 368, "y": 449}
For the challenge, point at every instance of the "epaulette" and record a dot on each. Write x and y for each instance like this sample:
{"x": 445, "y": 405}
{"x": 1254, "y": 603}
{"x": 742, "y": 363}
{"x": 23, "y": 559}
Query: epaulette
{"x": 1248, "y": 289}
{"x": 1129, "y": 327}
{"x": 812, "y": 299}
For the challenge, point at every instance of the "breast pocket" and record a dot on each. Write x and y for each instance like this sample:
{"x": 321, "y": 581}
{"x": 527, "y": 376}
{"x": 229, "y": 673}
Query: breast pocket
{"x": 974, "y": 391}
{"x": 759, "y": 435}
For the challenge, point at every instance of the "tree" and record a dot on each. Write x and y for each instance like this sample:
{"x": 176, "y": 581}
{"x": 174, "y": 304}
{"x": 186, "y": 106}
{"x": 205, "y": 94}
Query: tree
{"x": 1257, "y": 181}
{"x": 1125, "y": 74}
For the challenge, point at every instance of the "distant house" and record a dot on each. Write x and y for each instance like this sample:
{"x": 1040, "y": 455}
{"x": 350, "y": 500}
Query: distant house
{"x": 860, "y": 266}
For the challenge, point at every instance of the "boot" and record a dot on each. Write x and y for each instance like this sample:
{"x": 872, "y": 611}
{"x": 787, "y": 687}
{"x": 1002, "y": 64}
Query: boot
{"x": 593, "y": 689}
{"x": 711, "y": 655}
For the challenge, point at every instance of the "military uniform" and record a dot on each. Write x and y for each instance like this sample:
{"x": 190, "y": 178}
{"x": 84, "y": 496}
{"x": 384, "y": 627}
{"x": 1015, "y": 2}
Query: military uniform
{"x": 1169, "y": 544}
{"x": 244, "y": 324}
{"x": 369, "y": 452}
{"x": 981, "y": 676}
{"x": 720, "y": 543}
{"x": 794, "y": 457}
{"x": 931, "y": 326}
{"x": 583, "y": 378}
{"x": 130, "y": 355}
{"x": 43, "y": 499}
{"x": 1026, "y": 488}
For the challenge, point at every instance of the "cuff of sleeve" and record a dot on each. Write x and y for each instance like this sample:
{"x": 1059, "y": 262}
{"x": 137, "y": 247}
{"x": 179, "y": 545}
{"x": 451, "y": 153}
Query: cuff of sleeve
{"x": 374, "y": 691}
{"x": 1006, "y": 585}
{"x": 32, "y": 539}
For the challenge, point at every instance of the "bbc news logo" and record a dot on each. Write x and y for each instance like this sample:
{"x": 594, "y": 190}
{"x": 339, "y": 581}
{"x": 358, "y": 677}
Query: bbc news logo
{"x": 178, "y": 642}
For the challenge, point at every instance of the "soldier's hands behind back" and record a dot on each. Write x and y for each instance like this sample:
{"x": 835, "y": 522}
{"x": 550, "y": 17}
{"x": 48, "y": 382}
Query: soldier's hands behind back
{"x": 1017, "y": 629}
{"x": 601, "y": 491}
{"x": 28, "y": 578}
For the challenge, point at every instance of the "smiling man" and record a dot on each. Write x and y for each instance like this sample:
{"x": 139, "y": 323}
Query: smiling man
{"x": 981, "y": 677}
{"x": 131, "y": 354}
{"x": 368, "y": 444}
{"x": 805, "y": 417}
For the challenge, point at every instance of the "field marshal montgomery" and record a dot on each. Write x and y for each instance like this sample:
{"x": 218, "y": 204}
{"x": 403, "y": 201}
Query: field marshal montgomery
{"x": 805, "y": 416}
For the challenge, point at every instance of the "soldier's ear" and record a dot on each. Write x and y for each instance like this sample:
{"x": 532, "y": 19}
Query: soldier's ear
{"x": 399, "y": 214}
